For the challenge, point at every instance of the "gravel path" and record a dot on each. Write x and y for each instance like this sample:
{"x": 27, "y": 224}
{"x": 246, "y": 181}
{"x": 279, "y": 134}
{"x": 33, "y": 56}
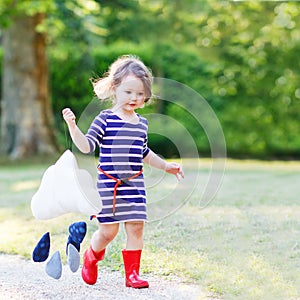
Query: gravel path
{"x": 21, "y": 279}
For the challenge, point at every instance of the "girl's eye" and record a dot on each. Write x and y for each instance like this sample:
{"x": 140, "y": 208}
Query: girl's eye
{"x": 128, "y": 92}
{"x": 141, "y": 94}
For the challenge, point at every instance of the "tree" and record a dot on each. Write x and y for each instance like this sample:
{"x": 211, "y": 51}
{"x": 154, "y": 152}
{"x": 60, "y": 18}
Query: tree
{"x": 26, "y": 111}
{"x": 26, "y": 117}
{"x": 253, "y": 47}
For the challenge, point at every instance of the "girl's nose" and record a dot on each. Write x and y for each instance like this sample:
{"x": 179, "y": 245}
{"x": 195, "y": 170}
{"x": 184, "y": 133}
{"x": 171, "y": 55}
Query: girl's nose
{"x": 133, "y": 96}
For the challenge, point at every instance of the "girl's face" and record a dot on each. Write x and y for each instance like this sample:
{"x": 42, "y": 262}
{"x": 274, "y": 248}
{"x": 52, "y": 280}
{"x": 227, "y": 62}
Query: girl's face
{"x": 130, "y": 94}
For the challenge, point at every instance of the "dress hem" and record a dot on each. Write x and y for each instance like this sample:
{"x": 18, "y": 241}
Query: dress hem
{"x": 123, "y": 221}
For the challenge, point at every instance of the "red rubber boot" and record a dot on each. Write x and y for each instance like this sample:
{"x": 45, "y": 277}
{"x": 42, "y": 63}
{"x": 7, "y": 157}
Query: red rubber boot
{"x": 89, "y": 271}
{"x": 132, "y": 260}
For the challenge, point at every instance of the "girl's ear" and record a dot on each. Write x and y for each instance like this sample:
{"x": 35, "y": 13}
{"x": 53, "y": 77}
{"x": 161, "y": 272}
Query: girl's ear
{"x": 113, "y": 94}
{"x": 113, "y": 91}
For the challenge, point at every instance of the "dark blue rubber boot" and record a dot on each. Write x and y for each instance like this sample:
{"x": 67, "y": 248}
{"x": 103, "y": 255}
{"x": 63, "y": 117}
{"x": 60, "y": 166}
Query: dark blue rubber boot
{"x": 41, "y": 250}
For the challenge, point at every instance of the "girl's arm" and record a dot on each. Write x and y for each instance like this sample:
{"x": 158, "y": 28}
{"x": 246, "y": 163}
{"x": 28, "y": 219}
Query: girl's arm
{"x": 77, "y": 136}
{"x": 155, "y": 161}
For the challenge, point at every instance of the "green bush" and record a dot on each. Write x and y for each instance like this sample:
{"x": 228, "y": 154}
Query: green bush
{"x": 253, "y": 127}
{"x": 1, "y": 58}
{"x": 71, "y": 87}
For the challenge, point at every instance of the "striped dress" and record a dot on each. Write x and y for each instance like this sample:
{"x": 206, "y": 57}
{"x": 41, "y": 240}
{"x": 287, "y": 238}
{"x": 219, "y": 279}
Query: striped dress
{"x": 122, "y": 147}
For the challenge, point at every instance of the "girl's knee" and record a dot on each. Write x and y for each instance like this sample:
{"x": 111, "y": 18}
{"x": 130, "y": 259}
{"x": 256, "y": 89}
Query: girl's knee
{"x": 135, "y": 228}
{"x": 108, "y": 233}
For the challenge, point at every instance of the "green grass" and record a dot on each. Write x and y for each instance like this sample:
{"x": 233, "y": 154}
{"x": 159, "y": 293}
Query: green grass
{"x": 244, "y": 245}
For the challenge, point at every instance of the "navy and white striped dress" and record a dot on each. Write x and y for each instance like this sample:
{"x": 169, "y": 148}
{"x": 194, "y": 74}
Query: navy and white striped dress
{"x": 122, "y": 147}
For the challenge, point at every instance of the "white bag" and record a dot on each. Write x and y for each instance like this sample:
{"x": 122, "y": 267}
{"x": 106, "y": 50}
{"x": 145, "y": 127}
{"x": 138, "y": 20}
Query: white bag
{"x": 65, "y": 189}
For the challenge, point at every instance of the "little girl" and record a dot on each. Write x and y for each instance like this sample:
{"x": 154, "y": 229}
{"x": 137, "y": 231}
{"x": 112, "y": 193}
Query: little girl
{"x": 121, "y": 135}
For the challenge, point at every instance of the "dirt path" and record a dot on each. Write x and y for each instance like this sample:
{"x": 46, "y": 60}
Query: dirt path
{"x": 21, "y": 279}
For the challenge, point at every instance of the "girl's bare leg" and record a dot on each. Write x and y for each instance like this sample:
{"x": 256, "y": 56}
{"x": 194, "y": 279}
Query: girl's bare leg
{"x": 103, "y": 236}
{"x": 134, "y": 232}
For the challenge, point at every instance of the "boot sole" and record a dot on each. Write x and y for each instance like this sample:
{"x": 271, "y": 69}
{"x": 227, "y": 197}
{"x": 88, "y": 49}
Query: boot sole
{"x": 137, "y": 286}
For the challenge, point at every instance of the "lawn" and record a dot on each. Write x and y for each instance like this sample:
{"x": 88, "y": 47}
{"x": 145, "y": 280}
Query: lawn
{"x": 245, "y": 244}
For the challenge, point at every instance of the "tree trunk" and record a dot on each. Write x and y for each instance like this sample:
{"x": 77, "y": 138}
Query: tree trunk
{"x": 26, "y": 111}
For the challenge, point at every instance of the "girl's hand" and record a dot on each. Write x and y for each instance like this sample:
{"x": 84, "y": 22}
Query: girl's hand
{"x": 69, "y": 117}
{"x": 175, "y": 169}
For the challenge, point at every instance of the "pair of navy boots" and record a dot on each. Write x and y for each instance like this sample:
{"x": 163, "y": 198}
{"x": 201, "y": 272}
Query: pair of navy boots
{"x": 77, "y": 232}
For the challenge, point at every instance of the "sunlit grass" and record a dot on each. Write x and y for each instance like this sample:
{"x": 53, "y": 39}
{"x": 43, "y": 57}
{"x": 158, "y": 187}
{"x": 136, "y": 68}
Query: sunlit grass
{"x": 245, "y": 244}
{"x": 233, "y": 253}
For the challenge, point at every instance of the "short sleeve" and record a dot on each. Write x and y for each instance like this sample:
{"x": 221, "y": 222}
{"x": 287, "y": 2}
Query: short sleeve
{"x": 146, "y": 149}
{"x": 96, "y": 131}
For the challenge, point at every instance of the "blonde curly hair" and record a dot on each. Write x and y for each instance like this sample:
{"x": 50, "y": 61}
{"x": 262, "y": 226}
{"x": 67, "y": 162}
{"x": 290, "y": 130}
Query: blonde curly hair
{"x": 124, "y": 66}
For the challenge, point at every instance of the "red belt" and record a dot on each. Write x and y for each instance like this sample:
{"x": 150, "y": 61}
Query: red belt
{"x": 118, "y": 183}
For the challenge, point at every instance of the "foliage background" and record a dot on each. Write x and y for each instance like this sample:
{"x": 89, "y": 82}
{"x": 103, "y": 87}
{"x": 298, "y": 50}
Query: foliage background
{"x": 242, "y": 57}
